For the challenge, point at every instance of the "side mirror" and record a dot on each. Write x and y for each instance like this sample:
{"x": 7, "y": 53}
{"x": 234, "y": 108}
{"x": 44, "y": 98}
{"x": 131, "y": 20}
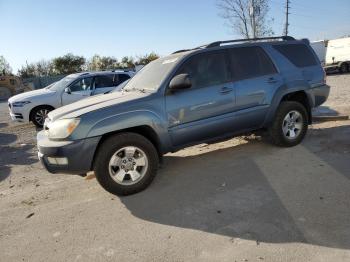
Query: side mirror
{"x": 181, "y": 81}
{"x": 67, "y": 90}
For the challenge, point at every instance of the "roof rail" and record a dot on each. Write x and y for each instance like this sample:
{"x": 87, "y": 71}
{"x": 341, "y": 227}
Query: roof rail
{"x": 218, "y": 43}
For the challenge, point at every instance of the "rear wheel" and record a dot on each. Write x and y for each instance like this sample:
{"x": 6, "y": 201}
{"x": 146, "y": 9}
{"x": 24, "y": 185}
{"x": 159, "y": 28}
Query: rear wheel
{"x": 290, "y": 124}
{"x": 126, "y": 163}
{"x": 38, "y": 115}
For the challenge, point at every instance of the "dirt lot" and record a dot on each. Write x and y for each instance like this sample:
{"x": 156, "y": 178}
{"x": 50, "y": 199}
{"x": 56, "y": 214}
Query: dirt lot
{"x": 239, "y": 200}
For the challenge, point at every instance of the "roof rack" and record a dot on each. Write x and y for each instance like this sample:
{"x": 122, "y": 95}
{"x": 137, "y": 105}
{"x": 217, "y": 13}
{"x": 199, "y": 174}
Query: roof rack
{"x": 218, "y": 43}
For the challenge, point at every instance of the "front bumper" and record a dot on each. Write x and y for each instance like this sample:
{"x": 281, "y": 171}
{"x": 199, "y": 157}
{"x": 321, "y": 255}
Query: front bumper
{"x": 19, "y": 114}
{"x": 79, "y": 154}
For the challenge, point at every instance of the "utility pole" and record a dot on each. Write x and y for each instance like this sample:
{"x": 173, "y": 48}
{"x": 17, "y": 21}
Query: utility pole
{"x": 253, "y": 12}
{"x": 287, "y": 14}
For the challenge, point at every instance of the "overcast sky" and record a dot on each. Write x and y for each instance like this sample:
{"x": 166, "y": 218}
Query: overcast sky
{"x": 35, "y": 30}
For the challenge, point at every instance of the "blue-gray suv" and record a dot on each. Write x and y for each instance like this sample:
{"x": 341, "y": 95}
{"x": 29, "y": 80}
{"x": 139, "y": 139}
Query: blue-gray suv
{"x": 189, "y": 97}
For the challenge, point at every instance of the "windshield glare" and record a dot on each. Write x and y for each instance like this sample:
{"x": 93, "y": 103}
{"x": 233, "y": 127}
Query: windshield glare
{"x": 151, "y": 76}
{"x": 61, "y": 84}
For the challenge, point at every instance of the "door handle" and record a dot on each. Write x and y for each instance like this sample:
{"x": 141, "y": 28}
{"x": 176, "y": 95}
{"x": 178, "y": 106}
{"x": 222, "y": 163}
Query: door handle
{"x": 271, "y": 80}
{"x": 225, "y": 90}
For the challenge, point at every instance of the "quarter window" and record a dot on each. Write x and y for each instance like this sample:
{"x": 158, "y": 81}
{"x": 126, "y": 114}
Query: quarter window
{"x": 300, "y": 55}
{"x": 250, "y": 62}
{"x": 83, "y": 84}
{"x": 206, "y": 69}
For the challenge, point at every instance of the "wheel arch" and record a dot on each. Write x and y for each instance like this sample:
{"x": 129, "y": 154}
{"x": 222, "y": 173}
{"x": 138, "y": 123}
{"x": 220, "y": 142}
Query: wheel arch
{"x": 144, "y": 130}
{"x": 302, "y": 98}
{"x": 296, "y": 94}
{"x": 39, "y": 106}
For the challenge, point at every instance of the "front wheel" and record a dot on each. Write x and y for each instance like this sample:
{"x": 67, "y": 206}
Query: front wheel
{"x": 290, "y": 124}
{"x": 126, "y": 163}
{"x": 38, "y": 115}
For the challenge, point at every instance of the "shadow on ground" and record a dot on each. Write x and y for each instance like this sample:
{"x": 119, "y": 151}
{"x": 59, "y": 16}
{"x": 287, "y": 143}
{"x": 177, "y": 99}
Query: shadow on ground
{"x": 226, "y": 192}
{"x": 12, "y": 154}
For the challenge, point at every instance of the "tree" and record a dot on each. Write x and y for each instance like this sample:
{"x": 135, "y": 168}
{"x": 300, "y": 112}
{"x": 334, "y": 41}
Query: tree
{"x": 37, "y": 69}
{"x": 98, "y": 63}
{"x": 5, "y": 67}
{"x": 127, "y": 62}
{"x": 68, "y": 64}
{"x": 248, "y": 18}
{"x": 144, "y": 60}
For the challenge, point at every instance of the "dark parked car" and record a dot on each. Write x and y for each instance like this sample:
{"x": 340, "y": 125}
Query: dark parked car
{"x": 189, "y": 97}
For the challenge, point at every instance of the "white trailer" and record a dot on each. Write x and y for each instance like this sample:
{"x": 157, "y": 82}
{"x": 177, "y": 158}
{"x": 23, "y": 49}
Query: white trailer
{"x": 338, "y": 55}
{"x": 320, "y": 49}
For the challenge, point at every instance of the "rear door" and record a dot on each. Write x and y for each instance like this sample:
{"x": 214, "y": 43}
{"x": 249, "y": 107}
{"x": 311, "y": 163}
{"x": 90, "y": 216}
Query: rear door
{"x": 104, "y": 83}
{"x": 255, "y": 79}
{"x": 198, "y": 113}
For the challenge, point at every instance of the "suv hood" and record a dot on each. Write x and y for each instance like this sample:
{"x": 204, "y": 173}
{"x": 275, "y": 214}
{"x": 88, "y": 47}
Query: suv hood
{"x": 27, "y": 96}
{"x": 93, "y": 103}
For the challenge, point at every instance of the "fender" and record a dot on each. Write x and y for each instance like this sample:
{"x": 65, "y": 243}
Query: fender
{"x": 298, "y": 85}
{"x": 128, "y": 120}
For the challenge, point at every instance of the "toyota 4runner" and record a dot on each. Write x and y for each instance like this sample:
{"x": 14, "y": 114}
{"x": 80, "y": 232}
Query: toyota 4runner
{"x": 189, "y": 97}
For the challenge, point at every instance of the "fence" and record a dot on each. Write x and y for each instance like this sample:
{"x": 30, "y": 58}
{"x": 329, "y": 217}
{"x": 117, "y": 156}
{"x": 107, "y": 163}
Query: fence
{"x": 40, "y": 82}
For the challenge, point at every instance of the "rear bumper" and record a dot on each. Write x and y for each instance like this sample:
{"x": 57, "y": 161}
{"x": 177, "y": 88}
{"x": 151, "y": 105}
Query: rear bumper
{"x": 76, "y": 156}
{"x": 320, "y": 94}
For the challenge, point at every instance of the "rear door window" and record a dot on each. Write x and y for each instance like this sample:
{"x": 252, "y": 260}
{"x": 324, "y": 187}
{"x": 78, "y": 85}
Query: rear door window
{"x": 299, "y": 54}
{"x": 207, "y": 69}
{"x": 250, "y": 62}
{"x": 104, "y": 81}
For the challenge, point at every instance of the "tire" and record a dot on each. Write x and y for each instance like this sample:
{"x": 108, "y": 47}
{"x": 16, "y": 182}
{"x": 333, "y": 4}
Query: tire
{"x": 344, "y": 68}
{"x": 114, "y": 170}
{"x": 38, "y": 115}
{"x": 283, "y": 127}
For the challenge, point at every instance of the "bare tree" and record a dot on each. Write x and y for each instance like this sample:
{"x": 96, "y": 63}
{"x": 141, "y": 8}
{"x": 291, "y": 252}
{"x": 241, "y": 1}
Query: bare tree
{"x": 5, "y": 67}
{"x": 248, "y": 18}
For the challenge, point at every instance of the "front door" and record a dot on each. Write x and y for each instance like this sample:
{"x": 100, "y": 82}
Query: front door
{"x": 202, "y": 111}
{"x": 78, "y": 90}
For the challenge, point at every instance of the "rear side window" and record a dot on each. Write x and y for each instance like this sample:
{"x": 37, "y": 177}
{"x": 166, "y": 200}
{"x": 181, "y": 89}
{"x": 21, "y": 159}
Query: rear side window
{"x": 250, "y": 62}
{"x": 299, "y": 54}
{"x": 207, "y": 69}
{"x": 104, "y": 81}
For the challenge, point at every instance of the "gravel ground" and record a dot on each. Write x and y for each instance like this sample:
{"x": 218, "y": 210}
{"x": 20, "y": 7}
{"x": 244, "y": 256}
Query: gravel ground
{"x": 339, "y": 98}
{"x": 238, "y": 200}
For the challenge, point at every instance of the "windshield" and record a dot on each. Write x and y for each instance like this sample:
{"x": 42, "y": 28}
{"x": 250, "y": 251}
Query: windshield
{"x": 151, "y": 76}
{"x": 61, "y": 84}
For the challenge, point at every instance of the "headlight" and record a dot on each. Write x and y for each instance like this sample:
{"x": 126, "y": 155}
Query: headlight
{"x": 20, "y": 103}
{"x": 60, "y": 129}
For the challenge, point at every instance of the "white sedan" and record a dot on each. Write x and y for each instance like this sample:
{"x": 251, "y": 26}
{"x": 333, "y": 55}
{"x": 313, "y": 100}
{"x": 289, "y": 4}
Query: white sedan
{"x": 35, "y": 105}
